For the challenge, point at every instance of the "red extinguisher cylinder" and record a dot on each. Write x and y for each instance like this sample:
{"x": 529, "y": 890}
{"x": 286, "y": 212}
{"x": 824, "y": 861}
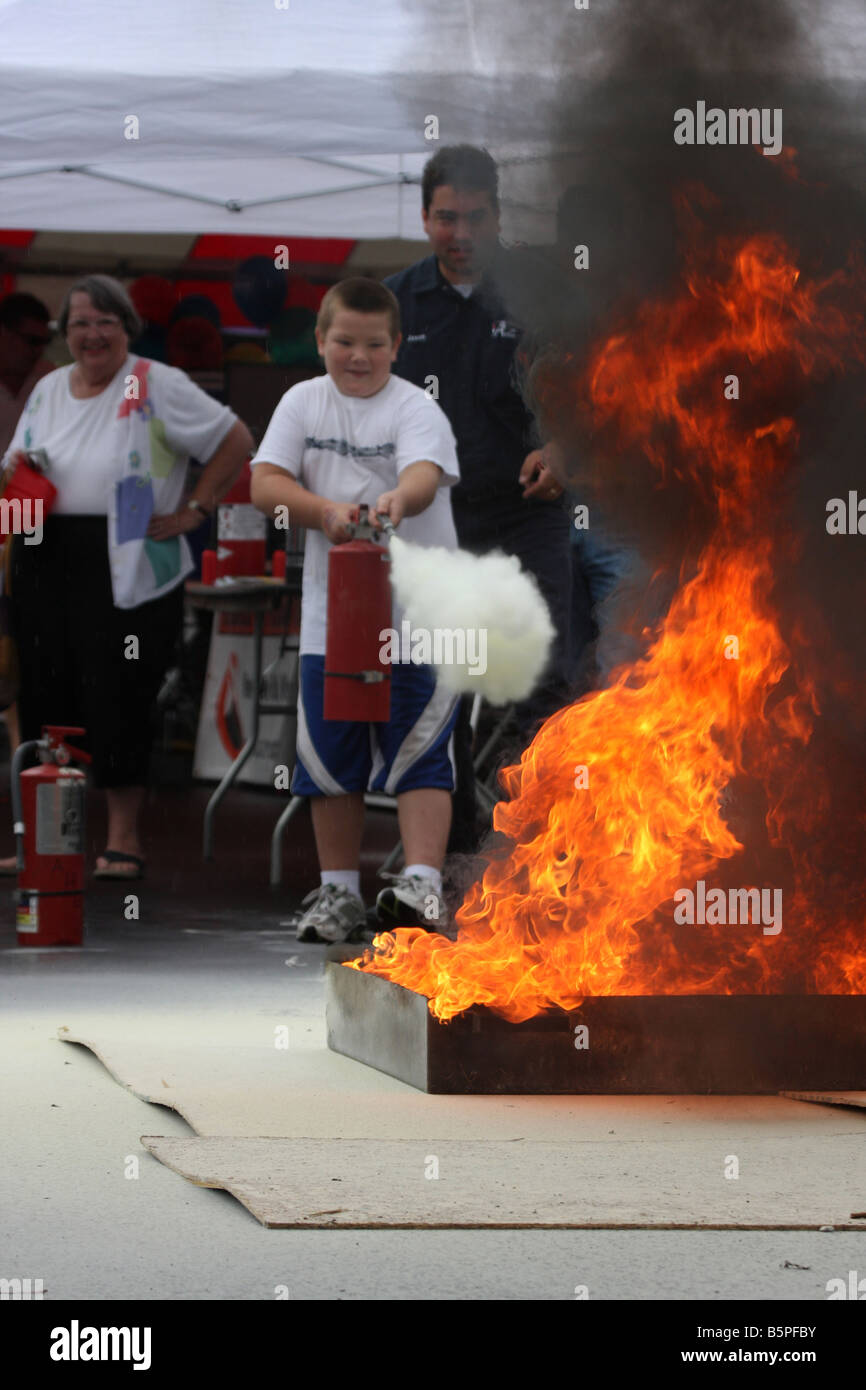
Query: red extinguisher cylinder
{"x": 357, "y": 681}
{"x": 49, "y": 803}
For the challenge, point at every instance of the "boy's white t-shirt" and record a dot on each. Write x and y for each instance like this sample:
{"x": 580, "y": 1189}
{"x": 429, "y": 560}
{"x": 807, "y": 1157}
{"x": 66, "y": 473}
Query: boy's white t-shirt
{"x": 352, "y": 449}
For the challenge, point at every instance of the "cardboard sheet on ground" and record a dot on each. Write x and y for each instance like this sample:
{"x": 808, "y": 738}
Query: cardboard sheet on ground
{"x": 524, "y": 1183}
{"x": 303, "y": 1137}
{"x": 855, "y": 1098}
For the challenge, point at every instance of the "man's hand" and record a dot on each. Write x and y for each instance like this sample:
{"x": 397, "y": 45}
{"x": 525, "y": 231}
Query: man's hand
{"x": 390, "y": 504}
{"x": 537, "y": 479}
{"x": 179, "y": 523}
{"x": 337, "y": 518}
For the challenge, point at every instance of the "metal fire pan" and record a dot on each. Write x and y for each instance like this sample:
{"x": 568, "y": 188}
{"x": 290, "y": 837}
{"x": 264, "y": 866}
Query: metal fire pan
{"x": 642, "y": 1045}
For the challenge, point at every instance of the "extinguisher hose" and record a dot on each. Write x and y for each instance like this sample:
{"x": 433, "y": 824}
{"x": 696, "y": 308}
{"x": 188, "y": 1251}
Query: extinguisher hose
{"x": 21, "y": 753}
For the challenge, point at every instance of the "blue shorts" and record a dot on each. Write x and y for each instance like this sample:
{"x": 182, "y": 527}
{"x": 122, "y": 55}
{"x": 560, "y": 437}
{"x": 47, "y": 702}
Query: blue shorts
{"x": 414, "y": 749}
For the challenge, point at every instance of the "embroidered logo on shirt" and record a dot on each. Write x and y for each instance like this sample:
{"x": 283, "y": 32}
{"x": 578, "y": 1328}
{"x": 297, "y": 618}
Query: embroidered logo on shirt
{"x": 416, "y": 337}
{"x": 344, "y": 448}
{"x": 502, "y": 329}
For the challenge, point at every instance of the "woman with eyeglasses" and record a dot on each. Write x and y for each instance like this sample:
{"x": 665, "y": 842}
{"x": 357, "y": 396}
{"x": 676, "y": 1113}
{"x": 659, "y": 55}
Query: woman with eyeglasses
{"x": 97, "y": 603}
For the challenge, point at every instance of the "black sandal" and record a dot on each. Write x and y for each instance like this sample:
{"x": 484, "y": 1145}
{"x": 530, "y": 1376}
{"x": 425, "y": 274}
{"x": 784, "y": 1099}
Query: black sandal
{"x": 116, "y": 856}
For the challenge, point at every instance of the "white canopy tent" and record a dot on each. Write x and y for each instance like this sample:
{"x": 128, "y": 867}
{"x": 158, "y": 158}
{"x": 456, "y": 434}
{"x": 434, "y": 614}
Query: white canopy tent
{"x": 305, "y": 117}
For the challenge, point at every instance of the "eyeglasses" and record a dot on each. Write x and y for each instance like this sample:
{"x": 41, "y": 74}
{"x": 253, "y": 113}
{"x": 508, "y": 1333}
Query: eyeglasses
{"x": 79, "y": 325}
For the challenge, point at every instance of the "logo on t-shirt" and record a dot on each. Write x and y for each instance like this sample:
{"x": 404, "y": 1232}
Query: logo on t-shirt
{"x": 502, "y": 329}
{"x": 345, "y": 449}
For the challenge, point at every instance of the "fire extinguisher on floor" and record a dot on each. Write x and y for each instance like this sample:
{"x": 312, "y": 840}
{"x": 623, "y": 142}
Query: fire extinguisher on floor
{"x": 48, "y": 812}
{"x": 357, "y": 681}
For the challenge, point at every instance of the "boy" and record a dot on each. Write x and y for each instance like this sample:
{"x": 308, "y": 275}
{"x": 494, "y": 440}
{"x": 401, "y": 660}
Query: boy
{"x": 358, "y": 435}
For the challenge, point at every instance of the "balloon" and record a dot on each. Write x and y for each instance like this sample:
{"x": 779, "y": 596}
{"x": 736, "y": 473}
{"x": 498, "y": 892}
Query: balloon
{"x": 196, "y": 306}
{"x": 150, "y": 343}
{"x": 194, "y": 344}
{"x": 259, "y": 290}
{"x": 154, "y": 297}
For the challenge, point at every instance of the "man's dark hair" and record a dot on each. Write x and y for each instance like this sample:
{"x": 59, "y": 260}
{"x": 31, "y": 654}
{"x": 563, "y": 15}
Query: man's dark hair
{"x": 464, "y": 167}
{"x": 19, "y": 306}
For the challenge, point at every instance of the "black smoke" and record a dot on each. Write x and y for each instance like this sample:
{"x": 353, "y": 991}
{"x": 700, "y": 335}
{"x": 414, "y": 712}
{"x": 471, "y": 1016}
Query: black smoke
{"x": 603, "y": 84}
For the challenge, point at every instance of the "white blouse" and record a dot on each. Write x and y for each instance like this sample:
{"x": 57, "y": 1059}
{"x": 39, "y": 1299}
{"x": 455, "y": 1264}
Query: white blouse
{"x": 124, "y": 454}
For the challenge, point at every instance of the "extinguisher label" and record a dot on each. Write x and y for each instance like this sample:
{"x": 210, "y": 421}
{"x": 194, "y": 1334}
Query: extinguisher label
{"x": 241, "y": 522}
{"x": 59, "y": 818}
{"x": 27, "y": 914}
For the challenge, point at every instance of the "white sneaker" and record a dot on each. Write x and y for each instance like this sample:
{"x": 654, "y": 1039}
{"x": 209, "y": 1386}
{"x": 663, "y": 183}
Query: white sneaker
{"x": 411, "y": 901}
{"x": 333, "y": 913}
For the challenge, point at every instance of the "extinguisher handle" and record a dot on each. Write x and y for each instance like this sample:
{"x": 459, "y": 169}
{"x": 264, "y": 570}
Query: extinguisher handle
{"x": 365, "y": 529}
{"x": 78, "y": 754}
{"x": 57, "y": 734}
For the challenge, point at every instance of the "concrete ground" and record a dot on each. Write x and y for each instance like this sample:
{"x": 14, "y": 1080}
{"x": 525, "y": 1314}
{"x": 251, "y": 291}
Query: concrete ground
{"x": 207, "y": 941}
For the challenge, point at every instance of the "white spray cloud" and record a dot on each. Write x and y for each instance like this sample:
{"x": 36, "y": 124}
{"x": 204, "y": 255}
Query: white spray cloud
{"x": 490, "y": 594}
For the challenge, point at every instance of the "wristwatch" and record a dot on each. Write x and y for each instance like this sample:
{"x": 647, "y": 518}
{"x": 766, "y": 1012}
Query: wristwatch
{"x": 197, "y": 506}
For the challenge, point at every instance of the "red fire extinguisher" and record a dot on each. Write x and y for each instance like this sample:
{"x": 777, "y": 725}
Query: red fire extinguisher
{"x": 241, "y": 532}
{"x": 357, "y": 681}
{"x": 48, "y": 810}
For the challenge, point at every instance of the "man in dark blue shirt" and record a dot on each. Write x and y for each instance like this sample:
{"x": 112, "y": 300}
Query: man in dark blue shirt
{"x": 460, "y": 345}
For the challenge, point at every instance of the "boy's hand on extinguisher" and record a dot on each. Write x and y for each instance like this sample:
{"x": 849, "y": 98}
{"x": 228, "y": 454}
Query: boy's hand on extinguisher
{"x": 390, "y": 504}
{"x": 338, "y": 518}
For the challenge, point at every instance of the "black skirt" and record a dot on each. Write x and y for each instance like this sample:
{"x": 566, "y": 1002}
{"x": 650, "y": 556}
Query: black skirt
{"x": 78, "y": 664}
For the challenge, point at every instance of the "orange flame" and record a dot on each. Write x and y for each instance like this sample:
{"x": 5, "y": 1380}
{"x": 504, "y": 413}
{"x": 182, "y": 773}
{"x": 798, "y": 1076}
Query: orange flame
{"x": 582, "y": 900}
